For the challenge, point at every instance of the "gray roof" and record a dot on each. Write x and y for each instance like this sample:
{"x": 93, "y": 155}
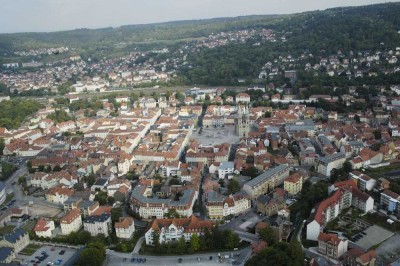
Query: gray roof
{"x": 14, "y": 236}
{"x": 213, "y": 196}
{"x": 101, "y": 182}
{"x": 226, "y": 165}
{"x": 137, "y": 193}
{"x": 97, "y": 218}
{"x": 332, "y": 158}
{"x": 86, "y": 204}
{"x": 5, "y": 253}
{"x": 266, "y": 175}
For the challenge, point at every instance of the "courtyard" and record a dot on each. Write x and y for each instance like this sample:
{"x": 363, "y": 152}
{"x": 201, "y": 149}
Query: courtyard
{"x": 215, "y": 136}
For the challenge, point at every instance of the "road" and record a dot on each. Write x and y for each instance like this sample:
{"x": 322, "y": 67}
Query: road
{"x": 239, "y": 258}
{"x": 248, "y": 237}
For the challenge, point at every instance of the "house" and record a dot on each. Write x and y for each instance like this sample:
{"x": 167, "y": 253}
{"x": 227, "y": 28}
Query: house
{"x": 242, "y": 98}
{"x": 390, "y": 201}
{"x": 226, "y": 169}
{"x": 293, "y": 184}
{"x": 98, "y": 224}
{"x": 59, "y": 194}
{"x": 327, "y": 163}
{"x": 18, "y": 239}
{"x": 125, "y": 227}
{"x": 358, "y": 257}
{"x": 364, "y": 182}
{"x": 218, "y": 207}
{"x": 270, "y": 204}
{"x": 71, "y": 222}
{"x": 44, "y": 228}
{"x": 266, "y": 181}
{"x": 173, "y": 229}
{"x": 331, "y": 245}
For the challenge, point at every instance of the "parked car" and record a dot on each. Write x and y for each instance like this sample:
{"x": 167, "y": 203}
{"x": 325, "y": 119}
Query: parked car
{"x": 180, "y": 260}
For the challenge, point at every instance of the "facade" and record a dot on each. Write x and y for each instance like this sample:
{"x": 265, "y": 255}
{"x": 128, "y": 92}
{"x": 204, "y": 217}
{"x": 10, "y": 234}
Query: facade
{"x": 327, "y": 163}
{"x": 59, "y": 194}
{"x": 271, "y": 204}
{"x": 71, "y": 222}
{"x": 98, "y": 224}
{"x": 125, "y": 227}
{"x": 359, "y": 257}
{"x": 44, "y": 228}
{"x": 293, "y": 184}
{"x": 331, "y": 245}
{"x": 225, "y": 169}
{"x": 6, "y": 255}
{"x": 218, "y": 207}
{"x": 364, "y": 182}
{"x": 146, "y": 206}
{"x": 390, "y": 201}
{"x": 173, "y": 229}
{"x": 17, "y": 240}
{"x": 267, "y": 181}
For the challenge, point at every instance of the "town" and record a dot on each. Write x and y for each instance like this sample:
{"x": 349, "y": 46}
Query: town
{"x": 136, "y": 158}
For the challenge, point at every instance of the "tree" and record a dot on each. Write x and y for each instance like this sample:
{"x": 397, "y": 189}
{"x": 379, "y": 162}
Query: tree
{"x": 181, "y": 248}
{"x": 250, "y": 171}
{"x": 116, "y": 213}
{"x": 233, "y": 186}
{"x": 267, "y": 234}
{"x": 195, "y": 243}
{"x": 94, "y": 254}
{"x": 101, "y": 197}
{"x": 2, "y": 145}
{"x": 347, "y": 167}
{"x": 231, "y": 239}
{"x": 357, "y": 119}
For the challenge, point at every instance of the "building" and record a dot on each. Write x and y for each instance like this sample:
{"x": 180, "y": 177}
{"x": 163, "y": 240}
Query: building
{"x": 345, "y": 194}
{"x": 218, "y": 207}
{"x": 7, "y": 255}
{"x": 98, "y": 224}
{"x": 390, "y": 201}
{"x": 226, "y": 169}
{"x": 148, "y": 206}
{"x": 327, "y": 163}
{"x": 364, "y": 182}
{"x": 267, "y": 181}
{"x": 242, "y": 122}
{"x": 125, "y": 227}
{"x": 271, "y": 204}
{"x": 358, "y": 257}
{"x": 71, "y": 222}
{"x": 59, "y": 194}
{"x": 174, "y": 229}
{"x": 293, "y": 184}
{"x": 44, "y": 228}
{"x": 331, "y": 245}
{"x": 18, "y": 239}
{"x": 3, "y": 193}
{"x": 243, "y": 98}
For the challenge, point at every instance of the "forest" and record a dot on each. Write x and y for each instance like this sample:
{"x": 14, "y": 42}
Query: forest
{"x": 14, "y": 112}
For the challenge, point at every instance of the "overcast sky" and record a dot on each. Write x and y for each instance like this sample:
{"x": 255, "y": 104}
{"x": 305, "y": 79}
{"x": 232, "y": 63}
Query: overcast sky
{"x": 53, "y": 15}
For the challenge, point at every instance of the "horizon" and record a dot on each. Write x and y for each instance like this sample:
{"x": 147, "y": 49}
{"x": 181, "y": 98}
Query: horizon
{"x": 46, "y": 17}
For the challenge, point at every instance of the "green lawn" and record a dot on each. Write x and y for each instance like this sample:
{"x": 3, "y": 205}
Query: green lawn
{"x": 30, "y": 249}
{"x": 379, "y": 172}
{"x": 375, "y": 218}
{"x": 6, "y": 229}
{"x": 29, "y": 225}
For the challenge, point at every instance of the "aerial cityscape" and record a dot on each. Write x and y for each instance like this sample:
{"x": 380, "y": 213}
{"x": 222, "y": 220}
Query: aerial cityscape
{"x": 240, "y": 140}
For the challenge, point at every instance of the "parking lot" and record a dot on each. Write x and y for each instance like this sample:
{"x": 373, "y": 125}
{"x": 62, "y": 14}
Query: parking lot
{"x": 373, "y": 235}
{"x": 53, "y": 256}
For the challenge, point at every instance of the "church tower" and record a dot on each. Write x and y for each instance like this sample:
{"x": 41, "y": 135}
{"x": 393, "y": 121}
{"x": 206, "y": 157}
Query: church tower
{"x": 242, "y": 122}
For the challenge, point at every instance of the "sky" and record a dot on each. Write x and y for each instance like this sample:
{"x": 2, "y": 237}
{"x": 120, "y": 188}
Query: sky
{"x": 55, "y": 15}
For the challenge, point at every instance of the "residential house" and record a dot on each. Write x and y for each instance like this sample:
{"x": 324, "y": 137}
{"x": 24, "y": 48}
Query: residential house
{"x": 44, "y": 228}
{"x": 125, "y": 227}
{"x": 331, "y": 245}
{"x": 71, "y": 222}
{"x": 18, "y": 239}
{"x": 293, "y": 184}
{"x": 98, "y": 224}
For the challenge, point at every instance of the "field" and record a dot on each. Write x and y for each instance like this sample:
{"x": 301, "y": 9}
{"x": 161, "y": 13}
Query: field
{"x": 30, "y": 249}
{"x": 38, "y": 210}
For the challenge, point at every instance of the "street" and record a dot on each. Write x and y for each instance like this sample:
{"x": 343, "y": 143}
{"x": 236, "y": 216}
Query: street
{"x": 239, "y": 258}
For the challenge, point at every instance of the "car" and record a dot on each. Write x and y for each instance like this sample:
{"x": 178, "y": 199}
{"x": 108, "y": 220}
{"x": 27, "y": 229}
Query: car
{"x": 124, "y": 259}
{"x": 139, "y": 260}
{"x": 4, "y": 208}
{"x": 133, "y": 259}
{"x": 180, "y": 260}
{"x": 210, "y": 258}
{"x": 35, "y": 264}
{"x": 363, "y": 233}
{"x": 53, "y": 248}
{"x": 32, "y": 261}
{"x": 144, "y": 260}
{"x": 62, "y": 252}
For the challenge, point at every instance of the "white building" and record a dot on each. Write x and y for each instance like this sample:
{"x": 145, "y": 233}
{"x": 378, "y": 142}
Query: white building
{"x": 44, "y": 228}
{"x": 98, "y": 224}
{"x": 125, "y": 228}
{"x": 219, "y": 207}
{"x": 174, "y": 229}
{"x": 71, "y": 222}
{"x": 226, "y": 169}
{"x": 327, "y": 163}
